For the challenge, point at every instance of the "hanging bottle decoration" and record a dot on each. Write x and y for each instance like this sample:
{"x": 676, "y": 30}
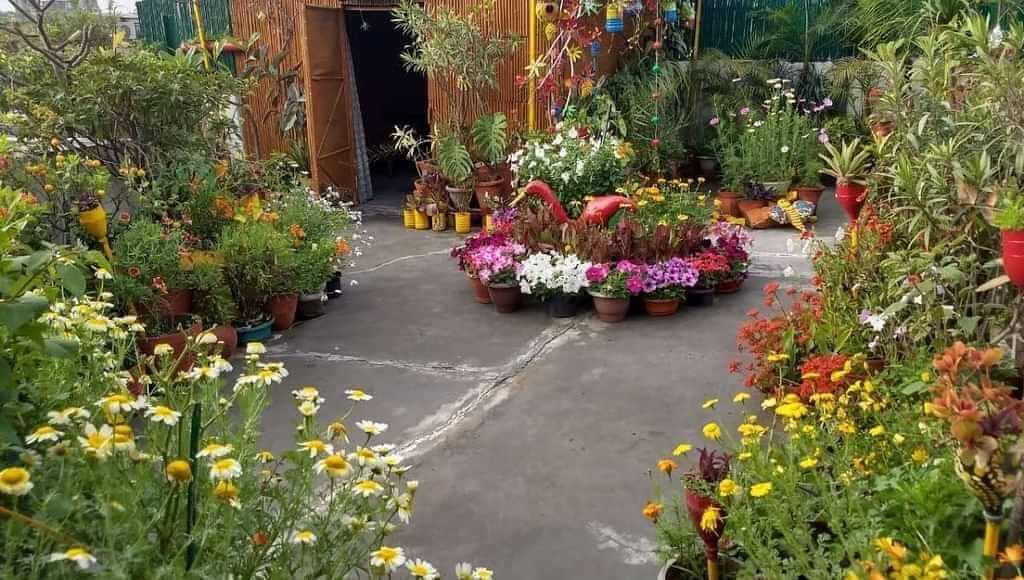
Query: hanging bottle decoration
{"x": 595, "y": 49}
{"x": 656, "y": 46}
{"x": 671, "y": 11}
{"x": 613, "y": 18}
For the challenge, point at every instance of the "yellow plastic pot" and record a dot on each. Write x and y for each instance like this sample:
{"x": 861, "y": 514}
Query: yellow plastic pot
{"x": 421, "y": 220}
{"x": 439, "y": 221}
{"x": 409, "y": 218}
{"x": 94, "y": 222}
{"x": 488, "y": 223}
{"x": 462, "y": 225}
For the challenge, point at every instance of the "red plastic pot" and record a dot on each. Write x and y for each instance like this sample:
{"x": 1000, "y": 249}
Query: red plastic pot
{"x": 851, "y": 198}
{"x": 1013, "y": 256}
{"x": 283, "y": 308}
{"x": 507, "y": 298}
{"x": 480, "y": 293}
{"x": 661, "y": 307}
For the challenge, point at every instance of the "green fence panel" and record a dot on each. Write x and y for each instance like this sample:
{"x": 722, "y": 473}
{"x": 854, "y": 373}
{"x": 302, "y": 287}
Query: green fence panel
{"x": 729, "y": 25}
{"x": 168, "y": 23}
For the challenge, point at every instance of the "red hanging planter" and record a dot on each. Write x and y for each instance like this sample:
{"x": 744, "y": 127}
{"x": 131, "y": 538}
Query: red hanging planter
{"x": 1013, "y": 256}
{"x": 851, "y": 198}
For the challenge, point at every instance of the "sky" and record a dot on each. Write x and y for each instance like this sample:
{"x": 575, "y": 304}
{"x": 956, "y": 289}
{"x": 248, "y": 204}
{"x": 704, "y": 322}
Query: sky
{"x": 122, "y": 6}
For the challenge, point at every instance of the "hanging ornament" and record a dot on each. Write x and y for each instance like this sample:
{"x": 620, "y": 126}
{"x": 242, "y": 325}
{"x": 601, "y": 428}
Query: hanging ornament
{"x": 671, "y": 11}
{"x": 556, "y": 112}
{"x": 613, "y": 18}
{"x": 634, "y": 7}
{"x": 547, "y": 11}
{"x": 595, "y": 49}
{"x": 550, "y": 30}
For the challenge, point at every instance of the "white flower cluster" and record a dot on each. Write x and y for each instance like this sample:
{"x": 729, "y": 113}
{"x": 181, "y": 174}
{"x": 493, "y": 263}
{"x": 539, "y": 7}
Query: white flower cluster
{"x": 553, "y": 273}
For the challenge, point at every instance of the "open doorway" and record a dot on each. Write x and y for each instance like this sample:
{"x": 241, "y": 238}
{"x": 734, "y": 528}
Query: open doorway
{"x": 388, "y": 96}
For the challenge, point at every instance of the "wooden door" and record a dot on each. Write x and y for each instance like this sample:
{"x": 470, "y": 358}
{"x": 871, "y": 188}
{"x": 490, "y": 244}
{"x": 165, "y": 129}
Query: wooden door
{"x": 329, "y": 126}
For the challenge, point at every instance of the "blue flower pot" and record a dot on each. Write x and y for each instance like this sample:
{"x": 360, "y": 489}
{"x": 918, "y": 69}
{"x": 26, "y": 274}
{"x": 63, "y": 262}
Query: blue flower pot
{"x": 257, "y": 333}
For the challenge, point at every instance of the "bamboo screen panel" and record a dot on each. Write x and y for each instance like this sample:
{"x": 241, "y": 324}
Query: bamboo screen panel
{"x": 508, "y": 17}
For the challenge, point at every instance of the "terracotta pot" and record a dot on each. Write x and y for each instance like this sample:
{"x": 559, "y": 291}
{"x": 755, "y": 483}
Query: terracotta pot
{"x": 611, "y": 309}
{"x": 255, "y": 333}
{"x": 661, "y": 306}
{"x": 507, "y": 298}
{"x": 730, "y": 287}
{"x": 485, "y": 190}
{"x": 1013, "y": 256}
{"x": 480, "y": 293}
{"x": 700, "y": 296}
{"x": 562, "y": 305}
{"x": 811, "y": 193}
{"x": 851, "y": 198}
{"x": 174, "y": 304}
{"x": 729, "y": 202}
{"x": 283, "y": 308}
{"x": 745, "y": 205}
{"x": 228, "y": 336}
{"x": 311, "y": 306}
{"x": 176, "y": 340}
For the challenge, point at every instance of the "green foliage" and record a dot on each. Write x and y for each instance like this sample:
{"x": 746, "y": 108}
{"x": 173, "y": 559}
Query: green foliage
{"x": 148, "y": 256}
{"x": 848, "y": 163}
{"x": 313, "y": 266}
{"x": 212, "y": 299}
{"x": 1011, "y": 210}
{"x": 259, "y": 260}
{"x": 490, "y": 138}
{"x": 454, "y": 160}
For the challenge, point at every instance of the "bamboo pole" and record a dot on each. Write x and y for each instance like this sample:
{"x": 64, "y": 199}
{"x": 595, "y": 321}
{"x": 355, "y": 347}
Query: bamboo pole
{"x": 197, "y": 15}
{"x": 991, "y": 546}
{"x": 712, "y": 569}
{"x": 531, "y": 92}
{"x": 696, "y": 29}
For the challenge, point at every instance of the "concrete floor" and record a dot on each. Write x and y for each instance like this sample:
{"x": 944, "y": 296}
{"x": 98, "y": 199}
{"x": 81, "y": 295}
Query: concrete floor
{"x": 531, "y": 436}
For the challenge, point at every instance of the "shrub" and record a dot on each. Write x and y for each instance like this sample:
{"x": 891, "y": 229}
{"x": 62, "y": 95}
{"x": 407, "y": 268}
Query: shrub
{"x": 258, "y": 260}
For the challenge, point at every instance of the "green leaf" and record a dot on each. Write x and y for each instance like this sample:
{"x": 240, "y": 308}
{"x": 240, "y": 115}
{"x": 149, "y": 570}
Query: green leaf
{"x": 14, "y": 315}
{"x": 60, "y": 348}
{"x": 6, "y": 374}
{"x": 72, "y": 279}
{"x": 7, "y": 432}
{"x": 968, "y": 324}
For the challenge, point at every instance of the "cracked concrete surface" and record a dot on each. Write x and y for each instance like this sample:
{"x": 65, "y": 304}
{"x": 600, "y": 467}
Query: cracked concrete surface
{"x": 532, "y": 436}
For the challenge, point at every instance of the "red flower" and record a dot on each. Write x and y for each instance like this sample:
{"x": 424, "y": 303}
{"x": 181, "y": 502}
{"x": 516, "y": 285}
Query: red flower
{"x": 159, "y": 285}
{"x": 770, "y": 288}
{"x": 124, "y": 217}
{"x": 134, "y": 272}
{"x": 734, "y": 366}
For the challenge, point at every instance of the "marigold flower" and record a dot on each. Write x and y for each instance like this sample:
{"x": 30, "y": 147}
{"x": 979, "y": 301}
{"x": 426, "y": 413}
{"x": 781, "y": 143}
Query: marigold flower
{"x": 15, "y": 481}
{"x": 179, "y": 471}
{"x": 877, "y": 431}
{"x": 712, "y": 431}
{"x": 666, "y": 466}
{"x": 894, "y": 549}
{"x": 920, "y": 455}
{"x": 761, "y": 489}
{"x": 335, "y": 465}
{"x": 727, "y": 487}
{"x": 226, "y": 492}
{"x": 1012, "y": 555}
{"x": 709, "y": 519}
{"x": 682, "y": 449}
{"x": 808, "y": 463}
{"x": 652, "y": 511}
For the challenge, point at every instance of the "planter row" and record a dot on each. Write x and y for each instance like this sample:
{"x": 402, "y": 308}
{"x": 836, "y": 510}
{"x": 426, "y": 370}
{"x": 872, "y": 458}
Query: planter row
{"x": 507, "y": 298}
{"x": 440, "y": 222}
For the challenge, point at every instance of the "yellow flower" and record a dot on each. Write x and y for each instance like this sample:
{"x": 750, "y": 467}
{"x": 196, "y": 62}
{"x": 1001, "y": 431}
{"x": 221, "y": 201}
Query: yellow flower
{"x": 97, "y": 443}
{"x": 898, "y": 439}
{"x": 227, "y": 468}
{"x": 422, "y": 569}
{"x": 315, "y": 447}
{"x": 894, "y": 549}
{"x": 652, "y": 511}
{"x": 44, "y": 433}
{"x": 368, "y": 487}
{"x": 179, "y": 471}
{"x": 920, "y": 455}
{"x": 335, "y": 465}
{"x": 727, "y": 487}
{"x": 710, "y": 404}
{"x": 744, "y": 456}
{"x": 926, "y": 376}
{"x": 305, "y": 537}
{"x": 709, "y": 519}
{"x": 387, "y": 558}
{"x": 761, "y": 489}
{"x": 666, "y": 466}
{"x": 876, "y": 431}
{"x": 79, "y": 556}
{"x": 15, "y": 481}
{"x": 769, "y": 403}
{"x": 1012, "y": 555}
{"x": 793, "y": 408}
{"x": 777, "y": 357}
{"x": 712, "y": 431}
{"x": 847, "y": 428}
{"x": 162, "y": 414}
{"x": 264, "y": 456}
{"x": 215, "y": 450}
{"x": 226, "y": 492}
{"x": 682, "y": 449}
{"x": 740, "y": 398}
{"x": 808, "y": 463}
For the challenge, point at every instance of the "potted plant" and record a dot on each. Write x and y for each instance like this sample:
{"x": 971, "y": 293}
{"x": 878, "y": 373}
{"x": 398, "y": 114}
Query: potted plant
{"x": 409, "y": 212}
{"x": 256, "y": 257}
{"x": 415, "y": 149}
{"x": 808, "y": 186}
{"x": 496, "y": 264}
{"x": 215, "y": 306}
{"x": 849, "y": 165}
{"x": 735, "y": 243}
{"x": 558, "y": 279}
{"x": 1010, "y": 220}
{"x": 611, "y": 287}
{"x": 313, "y": 266}
{"x": 712, "y": 268}
{"x": 149, "y": 268}
{"x": 665, "y": 284}
{"x": 490, "y": 144}
{"x": 464, "y": 253}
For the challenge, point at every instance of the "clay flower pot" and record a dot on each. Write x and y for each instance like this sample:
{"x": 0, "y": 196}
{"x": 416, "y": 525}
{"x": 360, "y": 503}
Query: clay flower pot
{"x": 283, "y": 308}
{"x": 661, "y": 306}
{"x": 228, "y": 336}
{"x": 730, "y": 287}
{"x": 480, "y": 293}
{"x": 1013, "y": 256}
{"x": 811, "y": 193}
{"x": 851, "y": 198}
{"x": 611, "y": 309}
{"x": 746, "y": 205}
{"x": 176, "y": 340}
{"x": 507, "y": 298}
{"x": 485, "y": 190}
{"x": 175, "y": 304}
{"x": 730, "y": 202}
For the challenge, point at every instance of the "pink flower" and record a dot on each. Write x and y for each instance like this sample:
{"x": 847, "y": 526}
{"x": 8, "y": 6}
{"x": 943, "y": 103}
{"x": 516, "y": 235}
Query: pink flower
{"x": 744, "y": 111}
{"x": 714, "y": 121}
{"x": 597, "y": 273}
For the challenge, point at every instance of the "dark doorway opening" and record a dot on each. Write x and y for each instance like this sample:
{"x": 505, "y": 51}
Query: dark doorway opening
{"x": 388, "y": 96}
